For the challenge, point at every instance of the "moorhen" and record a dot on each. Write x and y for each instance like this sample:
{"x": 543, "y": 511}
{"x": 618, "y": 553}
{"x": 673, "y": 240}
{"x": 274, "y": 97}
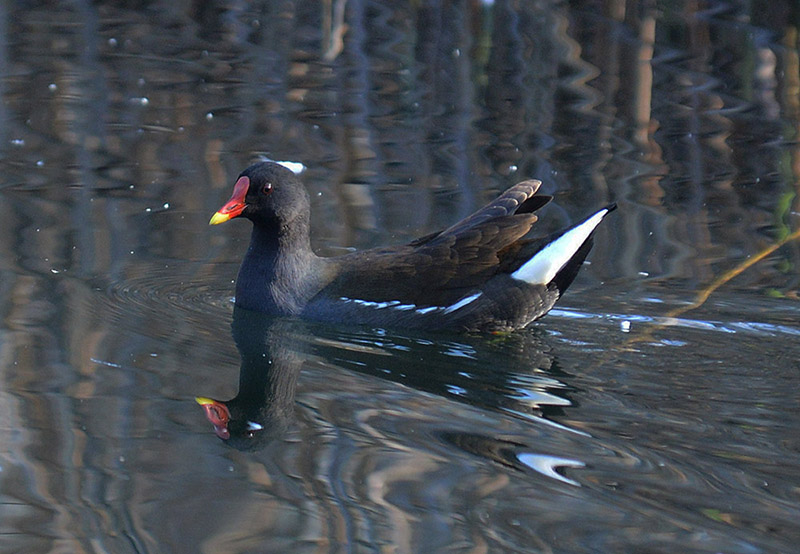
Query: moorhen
{"x": 479, "y": 275}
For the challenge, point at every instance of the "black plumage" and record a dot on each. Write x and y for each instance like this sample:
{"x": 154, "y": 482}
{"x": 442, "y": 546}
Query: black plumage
{"x": 467, "y": 277}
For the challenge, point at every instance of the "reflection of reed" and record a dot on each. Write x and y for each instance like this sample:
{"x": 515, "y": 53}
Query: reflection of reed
{"x": 408, "y": 117}
{"x": 421, "y": 99}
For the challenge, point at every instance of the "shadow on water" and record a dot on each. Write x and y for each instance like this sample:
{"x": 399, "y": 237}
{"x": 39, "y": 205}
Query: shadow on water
{"x": 509, "y": 374}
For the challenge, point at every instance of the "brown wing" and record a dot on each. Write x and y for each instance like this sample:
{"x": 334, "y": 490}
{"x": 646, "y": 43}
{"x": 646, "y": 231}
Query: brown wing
{"x": 441, "y": 268}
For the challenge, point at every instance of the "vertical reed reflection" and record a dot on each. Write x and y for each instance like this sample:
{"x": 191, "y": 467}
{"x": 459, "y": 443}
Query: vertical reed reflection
{"x": 122, "y": 127}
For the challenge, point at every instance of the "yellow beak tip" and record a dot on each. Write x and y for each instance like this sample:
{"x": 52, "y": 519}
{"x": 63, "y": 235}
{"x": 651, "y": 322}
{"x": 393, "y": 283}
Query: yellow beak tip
{"x": 203, "y": 401}
{"x": 218, "y": 218}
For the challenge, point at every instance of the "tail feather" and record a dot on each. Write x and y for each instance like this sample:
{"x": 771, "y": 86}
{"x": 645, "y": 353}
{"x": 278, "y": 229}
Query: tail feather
{"x": 564, "y": 278}
{"x": 560, "y": 259}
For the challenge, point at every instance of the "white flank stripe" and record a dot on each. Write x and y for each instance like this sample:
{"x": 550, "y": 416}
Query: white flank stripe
{"x": 378, "y": 305}
{"x": 396, "y": 305}
{"x": 542, "y": 268}
{"x": 461, "y": 303}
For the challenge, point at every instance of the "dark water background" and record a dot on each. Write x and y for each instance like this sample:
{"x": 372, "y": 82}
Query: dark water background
{"x": 606, "y": 427}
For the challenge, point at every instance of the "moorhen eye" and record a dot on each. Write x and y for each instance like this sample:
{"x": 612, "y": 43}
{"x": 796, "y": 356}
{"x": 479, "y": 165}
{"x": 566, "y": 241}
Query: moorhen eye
{"x": 267, "y": 188}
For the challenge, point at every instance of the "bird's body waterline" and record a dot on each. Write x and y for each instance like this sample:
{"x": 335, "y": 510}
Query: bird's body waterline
{"x": 482, "y": 274}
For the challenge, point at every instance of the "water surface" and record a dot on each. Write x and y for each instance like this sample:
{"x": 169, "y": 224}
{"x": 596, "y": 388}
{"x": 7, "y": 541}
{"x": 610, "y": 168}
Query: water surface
{"x": 612, "y": 425}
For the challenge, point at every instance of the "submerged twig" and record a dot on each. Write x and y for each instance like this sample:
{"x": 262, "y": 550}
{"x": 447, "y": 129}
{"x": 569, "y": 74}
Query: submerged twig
{"x": 704, "y": 294}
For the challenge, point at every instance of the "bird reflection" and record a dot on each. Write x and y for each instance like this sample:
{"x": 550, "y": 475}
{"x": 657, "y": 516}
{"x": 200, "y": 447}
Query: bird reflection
{"x": 515, "y": 374}
{"x": 271, "y": 362}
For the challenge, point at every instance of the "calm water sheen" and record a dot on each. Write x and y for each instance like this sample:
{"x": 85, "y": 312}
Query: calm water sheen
{"x": 615, "y": 424}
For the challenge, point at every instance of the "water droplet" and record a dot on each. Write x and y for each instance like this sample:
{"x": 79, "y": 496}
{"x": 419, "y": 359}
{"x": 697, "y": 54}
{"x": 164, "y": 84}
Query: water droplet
{"x": 18, "y": 142}
{"x": 209, "y": 116}
{"x": 52, "y": 87}
{"x": 39, "y": 163}
{"x": 166, "y": 205}
{"x": 112, "y": 41}
{"x": 625, "y": 326}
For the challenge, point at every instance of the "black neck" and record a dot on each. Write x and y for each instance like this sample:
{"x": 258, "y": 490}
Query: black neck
{"x": 277, "y": 270}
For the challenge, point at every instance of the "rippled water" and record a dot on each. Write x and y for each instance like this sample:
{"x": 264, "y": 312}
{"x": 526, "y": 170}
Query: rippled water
{"x": 627, "y": 420}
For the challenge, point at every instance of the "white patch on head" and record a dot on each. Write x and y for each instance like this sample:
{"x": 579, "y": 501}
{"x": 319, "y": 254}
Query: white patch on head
{"x": 295, "y": 167}
{"x": 543, "y": 267}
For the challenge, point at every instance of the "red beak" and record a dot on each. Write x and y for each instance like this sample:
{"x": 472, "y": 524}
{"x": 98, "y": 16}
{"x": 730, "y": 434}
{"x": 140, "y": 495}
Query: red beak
{"x": 217, "y": 413}
{"x": 235, "y": 206}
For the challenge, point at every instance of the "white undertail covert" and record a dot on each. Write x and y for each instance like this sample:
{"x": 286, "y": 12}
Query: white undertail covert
{"x": 547, "y": 262}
